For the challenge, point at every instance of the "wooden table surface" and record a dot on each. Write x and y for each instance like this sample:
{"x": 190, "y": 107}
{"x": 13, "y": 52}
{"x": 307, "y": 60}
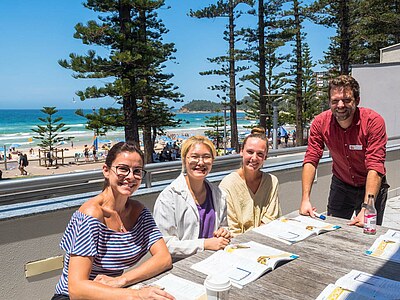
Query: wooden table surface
{"x": 322, "y": 260}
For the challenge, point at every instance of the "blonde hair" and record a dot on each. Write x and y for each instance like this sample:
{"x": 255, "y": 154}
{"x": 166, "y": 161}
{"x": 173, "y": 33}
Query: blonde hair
{"x": 190, "y": 142}
{"x": 256, "y": 132}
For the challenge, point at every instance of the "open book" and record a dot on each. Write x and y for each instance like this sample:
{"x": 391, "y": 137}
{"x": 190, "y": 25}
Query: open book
{"x": 361, "y": 285}
{"x": 334, "y": 292}
{"x": 386, "y": 246}
{"x": 293, "y": 230}
{"x": 178, "y": 287}
{"x": 243, "y": 263}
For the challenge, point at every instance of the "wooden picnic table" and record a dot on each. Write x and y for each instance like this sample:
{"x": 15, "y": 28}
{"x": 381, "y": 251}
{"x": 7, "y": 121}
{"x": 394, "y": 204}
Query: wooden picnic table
{"x": 322, "y": 260}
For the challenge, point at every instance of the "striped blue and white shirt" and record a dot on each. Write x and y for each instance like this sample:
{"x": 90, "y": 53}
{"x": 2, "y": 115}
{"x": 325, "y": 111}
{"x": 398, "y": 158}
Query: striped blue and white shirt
{"x": 112, "y": 251}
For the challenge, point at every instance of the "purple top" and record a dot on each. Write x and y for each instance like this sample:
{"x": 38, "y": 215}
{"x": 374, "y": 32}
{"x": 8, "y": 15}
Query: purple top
{"x": 207, "y": 216}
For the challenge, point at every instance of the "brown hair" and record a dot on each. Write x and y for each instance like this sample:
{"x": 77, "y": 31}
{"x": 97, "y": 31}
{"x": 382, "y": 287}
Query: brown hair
{"x": 117, "y": 149}
{"x": 256, "y": 132}
{"x": 345, "y": 81}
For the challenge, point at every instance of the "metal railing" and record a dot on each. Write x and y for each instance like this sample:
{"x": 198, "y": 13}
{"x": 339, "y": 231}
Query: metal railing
{"x": 44, "y": 187}
{"x": 50, "y": 186}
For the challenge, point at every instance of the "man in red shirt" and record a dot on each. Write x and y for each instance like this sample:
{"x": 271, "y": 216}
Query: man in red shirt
{"x": 356, "y": 139}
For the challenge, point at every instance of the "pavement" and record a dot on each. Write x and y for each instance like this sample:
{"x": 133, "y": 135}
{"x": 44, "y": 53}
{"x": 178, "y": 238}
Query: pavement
{"x": 391, "y": 218}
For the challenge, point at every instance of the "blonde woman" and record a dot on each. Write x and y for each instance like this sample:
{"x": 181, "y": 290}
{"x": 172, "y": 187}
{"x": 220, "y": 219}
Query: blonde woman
{"x": 252, "y": 195}
{"x": 191, "y": 212}
{"x": 111, "y": 233}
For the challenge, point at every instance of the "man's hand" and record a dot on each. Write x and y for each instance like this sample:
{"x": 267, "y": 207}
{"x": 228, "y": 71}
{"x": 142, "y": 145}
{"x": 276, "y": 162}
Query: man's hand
{"x": 358, "y": 220}
{"x": 307, "y": 209}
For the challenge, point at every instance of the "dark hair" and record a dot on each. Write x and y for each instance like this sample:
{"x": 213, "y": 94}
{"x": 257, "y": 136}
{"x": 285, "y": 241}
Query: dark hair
{"x": 256, "y": 132}
{"x": 344, "y": 81}
{"x": 117, "y": 149}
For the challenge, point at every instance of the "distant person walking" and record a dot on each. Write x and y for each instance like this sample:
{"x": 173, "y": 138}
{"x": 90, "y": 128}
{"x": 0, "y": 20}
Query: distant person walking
{"x": 86, "y": 153}
{"x": 94, "y": 151}
{"x": 22, "y": 163}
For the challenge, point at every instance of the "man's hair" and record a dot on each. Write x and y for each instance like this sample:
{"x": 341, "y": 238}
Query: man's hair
{"x": 344, "y": 81}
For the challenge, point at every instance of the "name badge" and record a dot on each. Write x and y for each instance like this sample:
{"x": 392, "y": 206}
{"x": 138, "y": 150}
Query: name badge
{"x": 355, "y": 147}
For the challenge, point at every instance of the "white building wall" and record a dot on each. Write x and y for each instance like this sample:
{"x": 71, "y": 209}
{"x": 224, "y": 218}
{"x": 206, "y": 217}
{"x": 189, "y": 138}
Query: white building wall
{"x": 390, "y": 54}
{"x": 380, "y": 90}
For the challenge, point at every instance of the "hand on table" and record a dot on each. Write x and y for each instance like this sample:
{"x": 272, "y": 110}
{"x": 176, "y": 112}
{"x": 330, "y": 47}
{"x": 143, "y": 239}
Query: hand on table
{"x": 358, "y": 220}
{"x": 307, "y": 209}
{"x": 151, "y": 292}
{"x": 216, "y": 243}
{"x": 222, "y": 232}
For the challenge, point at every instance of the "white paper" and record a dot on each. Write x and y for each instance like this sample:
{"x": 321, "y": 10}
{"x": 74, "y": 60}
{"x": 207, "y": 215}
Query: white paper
{"x": 293, "y": 230}
{"x": 241, "y": 265}
{"x": 370, "y": 285}
{"x": 180, "y": 288}
{"x": 385, "y": 247}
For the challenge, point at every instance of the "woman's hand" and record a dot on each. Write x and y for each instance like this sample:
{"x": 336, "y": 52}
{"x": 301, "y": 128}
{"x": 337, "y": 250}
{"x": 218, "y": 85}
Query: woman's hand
{"x": 216, "y": 243}
{"x": 223, "y": 232}
{"x": 111, "y": 281}
{"x": 151, "y": 292}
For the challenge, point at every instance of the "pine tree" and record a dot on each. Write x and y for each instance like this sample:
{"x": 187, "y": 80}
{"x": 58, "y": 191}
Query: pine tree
{"x": 377, "y": 27}
{"x": 103, "y": 120}
{"x": 340, "y": 14}
{"x": 217, "y": 125}
{"x": 311, "y": 103}
{"x": 296, "y": 18}
{"x": 132, "y": 68}
{"x": 264, "y": 43}
{"x": 228, "y": 63}
{"x": 48, "y": 132}
{"x": 362, "y": 29}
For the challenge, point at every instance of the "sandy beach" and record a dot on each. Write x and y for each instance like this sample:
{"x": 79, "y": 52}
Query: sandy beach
{"x": 70, "y": 165}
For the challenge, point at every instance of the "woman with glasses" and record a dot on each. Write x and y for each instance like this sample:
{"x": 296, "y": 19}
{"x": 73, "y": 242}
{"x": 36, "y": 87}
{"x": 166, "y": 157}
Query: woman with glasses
{"x": 110, "y": 233}
{"x": 191, "y": 212}
{"x": 252, "y": 195}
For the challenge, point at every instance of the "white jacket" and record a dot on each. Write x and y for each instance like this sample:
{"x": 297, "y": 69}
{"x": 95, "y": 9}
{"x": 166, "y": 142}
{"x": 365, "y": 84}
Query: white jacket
{"x": 177, "y": 216}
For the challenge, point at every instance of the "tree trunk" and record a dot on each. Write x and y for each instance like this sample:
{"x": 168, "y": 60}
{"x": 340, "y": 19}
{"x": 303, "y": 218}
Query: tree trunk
{"x": 129, "y": 100}
{"x": 232, "y": 81}
{"x": 131, "y": 117}
{"x": 261, "y": 61}
{"x": 344, "y": 37}
{"x": 299, "y": 76}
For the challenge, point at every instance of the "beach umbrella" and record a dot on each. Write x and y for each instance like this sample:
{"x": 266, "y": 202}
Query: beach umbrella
{"x": 283, "y": 131}
{"x": 15, "y": 145}
{"x": 62, "y": 143}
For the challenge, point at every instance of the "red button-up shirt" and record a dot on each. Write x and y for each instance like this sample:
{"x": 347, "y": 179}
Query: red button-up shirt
{"x": 355, "y": 150}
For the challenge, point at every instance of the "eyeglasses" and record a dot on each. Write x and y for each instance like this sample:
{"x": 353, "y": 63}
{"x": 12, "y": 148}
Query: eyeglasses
{"x": 196, "y": 158}
{"x": 124, "y": 171}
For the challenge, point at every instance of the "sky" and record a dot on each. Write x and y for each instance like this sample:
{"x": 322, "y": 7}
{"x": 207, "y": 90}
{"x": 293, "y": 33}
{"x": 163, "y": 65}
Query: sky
{"x": 36, "y": 34}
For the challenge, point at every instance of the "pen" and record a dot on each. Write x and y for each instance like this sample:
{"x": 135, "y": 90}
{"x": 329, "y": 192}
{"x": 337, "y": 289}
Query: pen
{"x": 322, "y": 217}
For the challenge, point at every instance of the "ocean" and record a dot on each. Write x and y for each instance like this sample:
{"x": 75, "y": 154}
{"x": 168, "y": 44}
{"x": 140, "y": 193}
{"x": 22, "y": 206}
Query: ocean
{"x": 16, "y": 125}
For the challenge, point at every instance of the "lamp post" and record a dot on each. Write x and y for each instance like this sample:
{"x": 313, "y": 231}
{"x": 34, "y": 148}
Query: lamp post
{"x": 275, "y": 118}
{"x": 224, "y": 104}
